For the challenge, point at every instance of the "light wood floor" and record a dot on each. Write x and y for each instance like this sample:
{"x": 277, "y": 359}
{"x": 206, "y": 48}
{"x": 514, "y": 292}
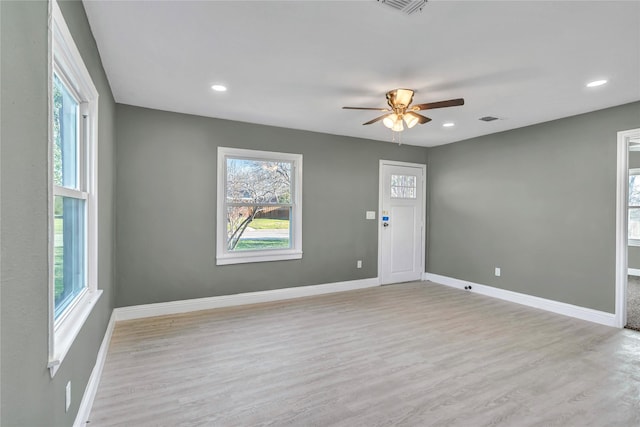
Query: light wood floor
{"x": 416, "y": 354}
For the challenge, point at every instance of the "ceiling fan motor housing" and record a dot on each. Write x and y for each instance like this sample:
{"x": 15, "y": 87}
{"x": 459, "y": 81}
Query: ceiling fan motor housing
{"x": 399, "y": 99}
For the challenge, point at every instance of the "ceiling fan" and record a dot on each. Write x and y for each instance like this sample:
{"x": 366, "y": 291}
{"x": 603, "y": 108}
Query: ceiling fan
{"x": 400, "y": 109}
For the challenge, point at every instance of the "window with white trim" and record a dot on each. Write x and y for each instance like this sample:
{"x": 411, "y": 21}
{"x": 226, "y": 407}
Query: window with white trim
{"x": 259, "y": 215}
{"x": 73, "y": 115}
{"x": 634, "y": 207}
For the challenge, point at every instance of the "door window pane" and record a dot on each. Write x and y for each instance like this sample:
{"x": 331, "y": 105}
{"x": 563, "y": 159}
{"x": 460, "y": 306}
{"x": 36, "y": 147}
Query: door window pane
{"x": 403, "y": 187}
{"x": 65, "y": 136}
{"x": 69, "y": 250}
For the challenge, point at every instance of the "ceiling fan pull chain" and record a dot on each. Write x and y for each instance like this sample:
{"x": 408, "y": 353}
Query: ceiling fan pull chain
{"x": 393, "y": 137}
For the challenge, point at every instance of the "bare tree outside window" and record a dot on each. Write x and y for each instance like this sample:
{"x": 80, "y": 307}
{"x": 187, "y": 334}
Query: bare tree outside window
{"x": 258, "y": 202}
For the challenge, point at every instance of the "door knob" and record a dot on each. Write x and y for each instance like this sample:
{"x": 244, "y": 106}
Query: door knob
{"x": 385, "y": 224}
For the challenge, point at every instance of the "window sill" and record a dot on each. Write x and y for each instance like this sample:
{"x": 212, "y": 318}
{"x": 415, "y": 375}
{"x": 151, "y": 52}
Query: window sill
{"x": 634, "y": 242}
{"x": 67, "y": 331}
{"x": 243, "y": 258}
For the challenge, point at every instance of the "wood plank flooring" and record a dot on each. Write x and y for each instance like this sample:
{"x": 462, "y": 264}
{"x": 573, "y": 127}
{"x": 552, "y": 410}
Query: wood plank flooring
{"x": 415, "y": 354}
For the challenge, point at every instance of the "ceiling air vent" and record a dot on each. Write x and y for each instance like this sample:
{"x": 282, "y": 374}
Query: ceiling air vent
{"x": 488, "y": 118}
{"x": 406, "y": 6}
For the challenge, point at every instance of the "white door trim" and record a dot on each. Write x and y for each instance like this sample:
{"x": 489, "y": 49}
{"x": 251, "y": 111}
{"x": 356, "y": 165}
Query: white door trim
{"x": 622, "y": 248}
{"x": 423, "y": 167}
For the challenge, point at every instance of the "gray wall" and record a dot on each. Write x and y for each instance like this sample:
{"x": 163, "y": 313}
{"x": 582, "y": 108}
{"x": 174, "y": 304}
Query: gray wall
{"x": 539, "y": 202}
{"x": 29, "y": 396}
{"x": 166, "y": 206}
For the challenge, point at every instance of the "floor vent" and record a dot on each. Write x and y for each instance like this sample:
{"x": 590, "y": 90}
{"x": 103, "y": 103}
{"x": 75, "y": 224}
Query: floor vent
{"x": 488, "y": 118}
{"x": 407, "y": 6}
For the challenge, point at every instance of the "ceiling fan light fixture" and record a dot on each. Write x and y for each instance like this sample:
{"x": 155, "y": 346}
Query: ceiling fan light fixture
{"x": 410, "y": 120}
{"x": 390, "y": 120}
{"x": 398, "y": 126}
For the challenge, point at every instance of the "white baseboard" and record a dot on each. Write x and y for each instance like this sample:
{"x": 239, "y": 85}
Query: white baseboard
{"x": 634, "y": 272}
{"x": 185, "y": 306}
{"x": 570, "y": 310}
{"x": 94, "y": 380}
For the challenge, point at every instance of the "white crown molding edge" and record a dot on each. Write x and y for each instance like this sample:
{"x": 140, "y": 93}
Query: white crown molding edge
{"x": 94, "y": 379}
{"x": 185, "y": 306}
{"x": 557, "y": 307}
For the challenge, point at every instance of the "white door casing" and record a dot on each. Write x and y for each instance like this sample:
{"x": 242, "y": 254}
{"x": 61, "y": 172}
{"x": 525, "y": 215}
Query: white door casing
{"x": 401, "y": 221}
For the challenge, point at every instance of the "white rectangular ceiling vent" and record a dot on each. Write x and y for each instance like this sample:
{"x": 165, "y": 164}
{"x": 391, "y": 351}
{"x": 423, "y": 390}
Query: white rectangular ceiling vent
{"x": 406, "y": 6}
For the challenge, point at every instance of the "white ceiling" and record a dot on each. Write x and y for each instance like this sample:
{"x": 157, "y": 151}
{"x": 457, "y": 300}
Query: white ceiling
{"x": 294, "y": 64}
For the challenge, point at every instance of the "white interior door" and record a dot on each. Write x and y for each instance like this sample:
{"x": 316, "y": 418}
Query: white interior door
{"x": 401, "y": 221}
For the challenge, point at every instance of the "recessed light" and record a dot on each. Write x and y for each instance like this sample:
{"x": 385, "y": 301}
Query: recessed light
{"x": 448, "y": 124}
{"x": 596, "y": 83}
{"x": 219, "y": 88}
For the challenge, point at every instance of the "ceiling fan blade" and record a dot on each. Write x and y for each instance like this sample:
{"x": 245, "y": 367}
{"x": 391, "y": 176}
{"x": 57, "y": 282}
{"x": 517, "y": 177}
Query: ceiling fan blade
{"x": 439, "y": 104}
{"x": 377, "y": 119}
{"x": 366, "y": 108}
{"x": 421, "y": 119}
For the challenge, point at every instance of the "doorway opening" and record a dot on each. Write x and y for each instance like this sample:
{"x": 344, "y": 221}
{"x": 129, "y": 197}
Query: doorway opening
{"x": 633, "y": 235}
{"x": 627, "y": 303}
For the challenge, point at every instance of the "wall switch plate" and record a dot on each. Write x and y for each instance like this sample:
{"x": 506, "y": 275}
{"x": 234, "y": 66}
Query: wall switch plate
{"x": 67, "y": 396}
{"x": 359, "y": 264}
{"x": 497, "y": 271}
{"x": 371, "y": 214}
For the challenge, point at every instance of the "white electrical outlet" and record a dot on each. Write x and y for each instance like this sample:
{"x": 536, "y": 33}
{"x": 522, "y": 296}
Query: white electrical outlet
{"x": 497, "y": 271}
{"x": 67, "y": 398}
{"x": 371, "y": 215}
{"x": 359, "y": 264}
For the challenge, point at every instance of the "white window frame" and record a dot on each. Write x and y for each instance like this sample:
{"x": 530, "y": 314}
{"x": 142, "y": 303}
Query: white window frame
{"x": 632, "y": 242}
{"x": 65, "y": 60}
{"x": 223, "y": 256}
